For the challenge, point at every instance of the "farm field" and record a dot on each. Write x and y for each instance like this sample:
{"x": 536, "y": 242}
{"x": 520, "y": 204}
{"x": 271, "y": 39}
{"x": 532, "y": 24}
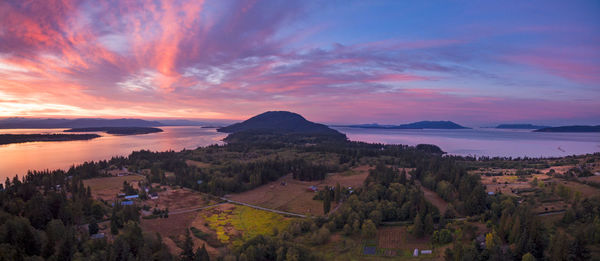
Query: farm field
{"x": 586, "y": 191}
{"x": 294, "y": 196}
{"x": 107, "y": 188}
{"x": 233, "y": 224}
{"x": 397, "y": 241}
{"x": 180, "y": 199}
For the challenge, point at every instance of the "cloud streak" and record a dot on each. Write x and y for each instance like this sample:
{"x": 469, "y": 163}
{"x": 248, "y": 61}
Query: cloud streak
{"x": 232, "y": 59}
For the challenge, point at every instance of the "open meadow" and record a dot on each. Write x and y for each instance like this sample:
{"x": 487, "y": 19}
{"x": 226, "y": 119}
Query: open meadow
{"x": 287, "y": 194}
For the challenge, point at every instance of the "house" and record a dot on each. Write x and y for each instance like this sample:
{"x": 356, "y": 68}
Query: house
{"x": 426, "y": 252}
{"x": 369, "y": 250}
{"x": 132, "y": 197}
{"x": 121, "y": 195}
{"x": 97, "y": 236}
{"x": 491, "y": 193}
{"x": 416, "y": 252}
{"x": 154, "y": 196}
{"x": 127, "y": 203}
{"x": 312, "y": 189}
{"x": 481, "y": 240}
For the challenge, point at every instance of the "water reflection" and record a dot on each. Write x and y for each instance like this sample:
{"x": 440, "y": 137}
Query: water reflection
{"x": 18, "y": 158}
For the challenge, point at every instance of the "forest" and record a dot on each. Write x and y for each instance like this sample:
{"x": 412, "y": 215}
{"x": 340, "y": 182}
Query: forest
{"x": 51, "y": 215}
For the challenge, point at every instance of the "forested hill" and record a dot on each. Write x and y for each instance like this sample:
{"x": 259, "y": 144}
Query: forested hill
{"x": 571, "y": 129}
{"x": 118, "y": 130}
{"x": 414, "y": 125}
{"x": 280, "y": 125}
{"x": 26, "y": 123}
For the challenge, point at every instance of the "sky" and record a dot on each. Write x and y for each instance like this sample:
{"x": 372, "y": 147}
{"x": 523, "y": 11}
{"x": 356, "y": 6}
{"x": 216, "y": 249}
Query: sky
{"x": 390, "y": 62}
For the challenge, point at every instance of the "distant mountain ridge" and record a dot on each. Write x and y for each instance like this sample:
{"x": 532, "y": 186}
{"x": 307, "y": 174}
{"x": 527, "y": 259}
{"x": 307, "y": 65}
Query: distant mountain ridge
{"x": 574, "y": 128}
{"x": 118, "y": 130}
{"x": 525, "y": 126}
{"x": 25, "y": 123}
{"x": 414, "y": 125}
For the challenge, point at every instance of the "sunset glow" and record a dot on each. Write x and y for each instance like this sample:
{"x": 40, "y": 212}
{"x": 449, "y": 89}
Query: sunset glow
{"x": 350, "y": 62}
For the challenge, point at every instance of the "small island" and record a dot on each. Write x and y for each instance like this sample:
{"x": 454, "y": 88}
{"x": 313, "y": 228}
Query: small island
{"x": 575, "y": 128}
{"x": 22, "y": 138}
{"x": 118, "y": 130}
{"x": 521, "y": 126}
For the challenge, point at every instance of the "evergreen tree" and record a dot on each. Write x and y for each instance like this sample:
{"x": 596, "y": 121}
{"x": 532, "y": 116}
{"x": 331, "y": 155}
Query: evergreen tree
{"x": 188, "y": 248}
{"x": 93, "y": 227}
{"x": 403, "y": 177}
{"x": 418, "y": 227}
{"x": 428, "y": 224}
{"x": 114, "y": 227}
{"x": 327, "y": 201}
{"x": 338, "y": 192}
{"x": 201, "y": 254}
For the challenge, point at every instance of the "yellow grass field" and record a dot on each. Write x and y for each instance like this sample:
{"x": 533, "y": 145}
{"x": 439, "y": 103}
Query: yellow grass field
{"x": 233, "y": 224}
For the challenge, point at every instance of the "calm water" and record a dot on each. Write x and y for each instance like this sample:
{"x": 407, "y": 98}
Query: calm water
{"x": 18, "y": 158}
{"x": 486, "y": 142}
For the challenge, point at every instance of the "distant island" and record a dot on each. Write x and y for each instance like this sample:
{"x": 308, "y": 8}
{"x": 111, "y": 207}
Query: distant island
{"x": 574, "y": 128}
{"x": 118, "y": 130}
{"x": 32, "y": 123}
{"x": 414, "y": 125}
{"x": 521, "y": 126}
{"x": 22, "y": 138}
{"x": 277, "y": 124}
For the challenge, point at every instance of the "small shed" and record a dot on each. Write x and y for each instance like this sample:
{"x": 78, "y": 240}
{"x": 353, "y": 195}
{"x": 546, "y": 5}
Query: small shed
{"x": 416, "y": 252}
{"x": 126, "y": 203}
{"x": 426, "y": 252}
{"x": 97, "y": 236}
{"x": 312, "y": 189}
{"x": 132, "y": 196}
{"x": 154, "y": 195}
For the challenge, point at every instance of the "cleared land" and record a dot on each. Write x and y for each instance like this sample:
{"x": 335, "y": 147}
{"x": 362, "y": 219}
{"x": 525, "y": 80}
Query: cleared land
{"x": 180, "y": 199}
{"x": 294, "y": 195}
{"x": 435, "y": 199}
{"x": 233, "y": 223}
{"x": 107, "y": 188}
{"x": 397, "y": 241}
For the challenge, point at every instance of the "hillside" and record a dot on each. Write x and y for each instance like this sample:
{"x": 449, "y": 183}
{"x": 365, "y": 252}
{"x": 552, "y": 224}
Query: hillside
{"x": 575, "y": 128}
{"x": 414, "y": 125}
{"x": 29, "y": 123}
{"x": 275, "y": 124}
{"x": 521, "y": 126}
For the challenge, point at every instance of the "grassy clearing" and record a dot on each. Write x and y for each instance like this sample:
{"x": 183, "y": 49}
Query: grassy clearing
{"x": 242, "y": 223}
{"x": 108, "y": 187}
